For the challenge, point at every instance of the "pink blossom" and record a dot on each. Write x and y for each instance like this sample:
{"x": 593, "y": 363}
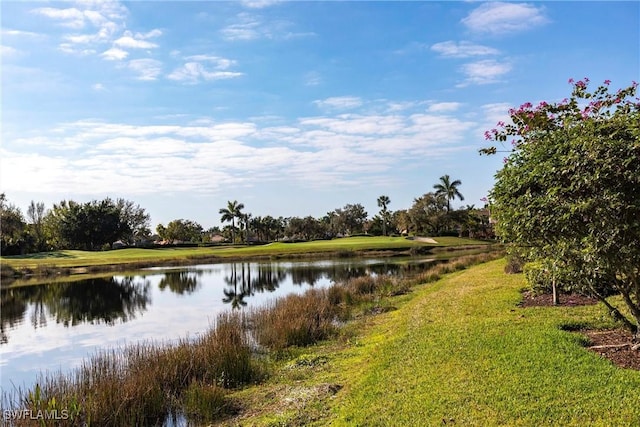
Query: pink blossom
{"x": 586, "y": 79}
{"x": 500, "y": 124}
{"x": 571, "y": 81}
{"x": 607, "y": 82}
{"x": 581, "y": 84}
{"x": 487, "y": 135}
{"x": 504, "y": 160}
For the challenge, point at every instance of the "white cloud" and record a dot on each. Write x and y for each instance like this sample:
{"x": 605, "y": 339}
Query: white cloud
{"x": 462, "y": 49}
{"x": 98, "y": 87}
{"x": 325, "y": 151}
{"x": 498, "y": 17}
{"x": 339, "y": 102}
{"x": 259, "y": 4}
{"x": 19, "y": 33}
{"x": 132, "y": 43}
{"x": 484, "y": 72}
{"x": 218, "y": 62}
{"x": 114, "y": 54}
{"x": 443, "y": 107}
{"x": 147, "y": 69}
{"x": 243, "y": 31}
{"x": 252, "y": 27}
{"x": 72, "y": 49}
{"x": 312, "y": 78}
{"x": 193, "y": 72}
{"x": 71, "y": 17}
{"x": 7, "y": 51}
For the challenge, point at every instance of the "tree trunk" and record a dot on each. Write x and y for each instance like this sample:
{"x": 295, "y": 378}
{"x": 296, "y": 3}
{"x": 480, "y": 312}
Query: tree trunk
{"x": 555, "y": 291}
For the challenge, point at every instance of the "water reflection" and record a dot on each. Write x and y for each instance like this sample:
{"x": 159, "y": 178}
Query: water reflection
{"x": 99, "y": 300}
{"x": 119, "y": 299}
{"x": 181, "y": 282}
{"x": 245, "y": 280}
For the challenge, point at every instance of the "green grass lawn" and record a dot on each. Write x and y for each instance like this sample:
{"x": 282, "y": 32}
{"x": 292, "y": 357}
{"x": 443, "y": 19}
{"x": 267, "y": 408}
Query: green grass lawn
{"x": 72, "y": 258}
{"x": 462, "y": 351}
{"x": 458, "y": 351}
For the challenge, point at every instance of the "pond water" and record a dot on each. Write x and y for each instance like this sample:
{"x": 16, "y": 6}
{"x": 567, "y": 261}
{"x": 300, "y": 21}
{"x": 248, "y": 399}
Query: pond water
{"x": 53, "y": 327}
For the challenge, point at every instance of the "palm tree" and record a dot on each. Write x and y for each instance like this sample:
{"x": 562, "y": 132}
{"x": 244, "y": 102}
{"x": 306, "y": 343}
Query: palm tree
{"x": 229, "y": 214}
{"x": 383, "y": 201}
{"x": 448, "y": 189}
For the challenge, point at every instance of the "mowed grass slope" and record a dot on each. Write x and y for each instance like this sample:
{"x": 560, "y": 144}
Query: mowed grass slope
{"x": 73, "y": 258}
{"x": 461, "y": 351}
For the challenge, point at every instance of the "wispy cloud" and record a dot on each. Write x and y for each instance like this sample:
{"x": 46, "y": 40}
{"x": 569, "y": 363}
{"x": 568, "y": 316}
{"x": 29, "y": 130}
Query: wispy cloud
{"x": 443, "y": 107}
{"x": 70, "y": 17}
{"x": 312, "y": 78}
{"x": 146, "y": 69}
{"x": 248, "y": 29}
{"x": 207, "y": 156}
{"x": 115, "y": 54}
{"x": 484, "y": 72}
{"x": 251, "y": 27}
{"x": 137, "y": 41}
{"x": 498, "y": 18}
{"x": 463, "y": 49}
{"x": 194, "y": 71}
{"x": 259, "y": 4}
{"x": 338, "y": 103}
{"x": 8, "y": 51}
{"x": 6, "y": 32}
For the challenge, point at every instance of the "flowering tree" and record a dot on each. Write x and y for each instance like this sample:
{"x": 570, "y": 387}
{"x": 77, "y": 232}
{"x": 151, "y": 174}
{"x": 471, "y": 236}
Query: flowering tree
{"x": 568, "y": 195}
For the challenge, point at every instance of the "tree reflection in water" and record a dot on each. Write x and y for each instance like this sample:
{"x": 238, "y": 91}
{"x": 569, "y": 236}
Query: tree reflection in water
{"x": 246, "y": 279}
{"x": 181, "y": 282}
{"x": 100, "y": 300}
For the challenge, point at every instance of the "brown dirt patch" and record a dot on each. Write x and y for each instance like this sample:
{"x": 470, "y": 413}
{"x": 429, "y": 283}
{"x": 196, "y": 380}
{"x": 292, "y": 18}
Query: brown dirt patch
{"x": 530, "y": 299}
{"x": 615, "y": 345}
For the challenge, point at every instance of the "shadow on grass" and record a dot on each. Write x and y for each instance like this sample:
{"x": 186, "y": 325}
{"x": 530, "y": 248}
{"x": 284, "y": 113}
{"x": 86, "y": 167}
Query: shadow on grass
{"x": 42, "y": 255}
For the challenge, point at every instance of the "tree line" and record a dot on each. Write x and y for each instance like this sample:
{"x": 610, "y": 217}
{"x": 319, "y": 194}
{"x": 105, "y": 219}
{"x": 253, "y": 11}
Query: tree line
{"x": 101, "y": 224}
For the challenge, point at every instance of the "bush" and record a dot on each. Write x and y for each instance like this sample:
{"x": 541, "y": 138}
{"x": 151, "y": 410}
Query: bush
{"x": 296, "y": 320}
{"x": 515, "y": 264}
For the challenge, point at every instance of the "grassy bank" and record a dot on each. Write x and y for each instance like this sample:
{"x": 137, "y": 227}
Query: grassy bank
{"x": 72, "y": 261}
{"x": 458, "y": 351}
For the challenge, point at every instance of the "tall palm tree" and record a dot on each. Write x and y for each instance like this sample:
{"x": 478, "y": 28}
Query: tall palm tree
{"x": 229, "y": 214}
{"x": 383, "y": 201}
{"x": 448, "y": 189}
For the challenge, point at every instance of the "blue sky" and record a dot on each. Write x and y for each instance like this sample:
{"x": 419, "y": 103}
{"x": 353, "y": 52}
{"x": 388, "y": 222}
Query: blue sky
{"x": 292, "y": 108}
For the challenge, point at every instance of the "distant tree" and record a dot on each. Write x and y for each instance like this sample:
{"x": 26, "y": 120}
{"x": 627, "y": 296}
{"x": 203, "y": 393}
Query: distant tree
{"x": 383, "y": 202}
{"x": 449, "y": 189}
{"x": 306, "y": 228}
{"x": 136, "y": 219}
{"x": 350, "y": 219}
{"x": 229, "y": 214}
{"x": 181, "y": 230}
{"x": 88, "y": 226}
{"x": 36, "y": 214}
{"x": 12, "y": 228}
{"x": 428, "y": 215}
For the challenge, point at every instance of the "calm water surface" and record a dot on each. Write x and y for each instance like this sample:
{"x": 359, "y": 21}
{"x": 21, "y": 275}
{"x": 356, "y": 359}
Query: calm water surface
{"x": 54, "y": 327}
